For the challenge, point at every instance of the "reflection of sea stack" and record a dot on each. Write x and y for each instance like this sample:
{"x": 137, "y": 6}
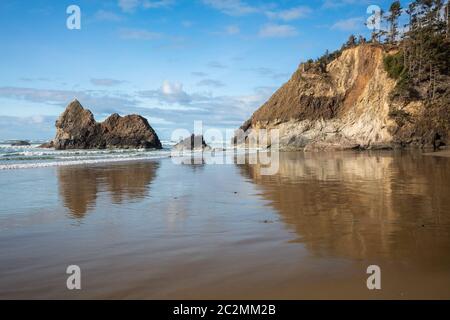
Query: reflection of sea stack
{"x": 80, "y": 186}
{"x": 77, "y": 129}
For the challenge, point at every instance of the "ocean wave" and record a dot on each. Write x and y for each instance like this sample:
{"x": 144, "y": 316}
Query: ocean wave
{"x": 78, "y": 162}
{"x": 21, "y": 158}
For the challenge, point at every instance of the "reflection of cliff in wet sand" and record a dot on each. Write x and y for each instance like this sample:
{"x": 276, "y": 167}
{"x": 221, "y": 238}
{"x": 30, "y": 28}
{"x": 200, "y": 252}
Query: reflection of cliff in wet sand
{"x": 354, "y": 206}
{"x": 80, "y": 186}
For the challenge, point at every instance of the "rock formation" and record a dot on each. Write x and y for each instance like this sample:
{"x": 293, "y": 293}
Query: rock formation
{"x": 76, "y": 128}
{"x": 192, "y": 143}
{"x": 20, "y": 143}
{"x": 345, "y": 105}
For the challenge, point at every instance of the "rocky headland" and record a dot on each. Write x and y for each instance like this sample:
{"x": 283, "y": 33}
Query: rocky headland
{"x": 347, "y": 103}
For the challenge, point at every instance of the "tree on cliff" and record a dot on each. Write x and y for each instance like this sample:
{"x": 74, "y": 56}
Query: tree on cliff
{"x": 425, "y": 48}
{"x": 394, "y": 13}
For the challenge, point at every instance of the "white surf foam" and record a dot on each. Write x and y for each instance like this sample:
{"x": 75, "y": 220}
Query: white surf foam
{"x": 77, "y": 162}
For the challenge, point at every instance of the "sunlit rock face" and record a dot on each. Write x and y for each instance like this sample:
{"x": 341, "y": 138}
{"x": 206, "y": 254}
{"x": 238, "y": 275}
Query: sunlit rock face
{"x": 343, "y": 106}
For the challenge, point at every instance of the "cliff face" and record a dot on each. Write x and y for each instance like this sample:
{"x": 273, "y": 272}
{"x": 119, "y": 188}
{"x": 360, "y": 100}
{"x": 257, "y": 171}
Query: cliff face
{"x": 345, "y": 106}
{"x": 76, "y": 128}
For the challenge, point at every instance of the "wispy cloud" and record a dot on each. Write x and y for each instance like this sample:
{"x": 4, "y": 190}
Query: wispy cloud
{"x": 231, "y": 7}
{"x": 187, "y": 23}
{"x": 103, "y": 15}
{"x": 216, "y": 65}
{"x": 128, "y": 5}
{"x": 131, "y": 5}
{"x": 267, "y": 72}
{"x": 148, "y": 4}
{"x": 139, "y": 34}
{"x": 199, "y": 74}
{"x": 351, "y": 24}
{"x": 39, "y": 79}
{"x": 98, "y": 100}
{"x": 242, "y": 8}
{"x": 232, "y": 29}
{"x": 290, "y": 14}
{"x": 30, "y": 127}
{"x": 277, "y": 31}
{"x": 334, "y": 4}
{"x": 211, "y": 83}
{"x": 105, "y": 82}
{"x": 166, "y": 107}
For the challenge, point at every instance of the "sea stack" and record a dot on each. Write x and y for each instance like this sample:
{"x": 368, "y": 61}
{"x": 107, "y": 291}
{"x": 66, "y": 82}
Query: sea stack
{"x": 76, "y": 128}
{"x": 192, "y": 143}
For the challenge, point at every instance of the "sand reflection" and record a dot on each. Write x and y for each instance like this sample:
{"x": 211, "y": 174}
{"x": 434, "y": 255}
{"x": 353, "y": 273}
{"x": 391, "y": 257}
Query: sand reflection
{"x": 80, "y": 186}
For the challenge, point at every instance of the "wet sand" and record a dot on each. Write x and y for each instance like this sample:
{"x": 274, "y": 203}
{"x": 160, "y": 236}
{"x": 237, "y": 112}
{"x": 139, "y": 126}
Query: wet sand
{"x": 440, "y": 153}
{"x": 157, "y": 230}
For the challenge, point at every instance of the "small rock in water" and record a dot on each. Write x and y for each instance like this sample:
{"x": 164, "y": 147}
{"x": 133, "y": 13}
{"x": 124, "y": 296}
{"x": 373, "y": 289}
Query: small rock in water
{"x": 20, "y": 143}
{"x": 192, "y": 143}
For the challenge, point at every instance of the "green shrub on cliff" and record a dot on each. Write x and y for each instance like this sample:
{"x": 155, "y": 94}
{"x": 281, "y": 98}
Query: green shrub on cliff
{"x": 393, "y": 64}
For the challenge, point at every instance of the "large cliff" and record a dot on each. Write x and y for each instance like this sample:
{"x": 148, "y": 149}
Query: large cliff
{"x": 76, "y": 128}
{"x": 345, "y": 104}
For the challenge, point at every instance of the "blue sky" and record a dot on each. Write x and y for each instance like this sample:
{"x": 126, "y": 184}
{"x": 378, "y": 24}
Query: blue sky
{"x": 172, "y": 61}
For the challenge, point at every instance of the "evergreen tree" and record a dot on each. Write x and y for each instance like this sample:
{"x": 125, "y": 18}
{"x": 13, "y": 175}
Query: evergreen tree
{"x": 394, "y": 13}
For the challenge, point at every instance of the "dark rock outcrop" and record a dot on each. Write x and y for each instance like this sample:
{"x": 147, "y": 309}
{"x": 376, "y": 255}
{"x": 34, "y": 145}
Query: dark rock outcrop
{"x": 76, "y": 128}
{"x": 20, "y": 143}
{"x": 47, "y": 145}
{"x": 192, "y": 143}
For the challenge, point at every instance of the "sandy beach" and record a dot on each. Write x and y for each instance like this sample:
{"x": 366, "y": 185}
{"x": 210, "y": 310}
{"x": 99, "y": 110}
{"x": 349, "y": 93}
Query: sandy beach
{"x": 157, "y": 230}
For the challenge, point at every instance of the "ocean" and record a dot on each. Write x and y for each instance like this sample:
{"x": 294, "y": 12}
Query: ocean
{"x": 22, "y": 157}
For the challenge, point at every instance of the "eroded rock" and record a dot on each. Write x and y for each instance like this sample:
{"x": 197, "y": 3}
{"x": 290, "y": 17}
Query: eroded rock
{"x": 76, "y": 128}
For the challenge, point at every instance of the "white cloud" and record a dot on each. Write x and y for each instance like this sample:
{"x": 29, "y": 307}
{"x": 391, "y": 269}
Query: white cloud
{"x": 25, "y": 128}
{"x": 103, "y": 15}
{"x": 98, "y": 100}
{"x": 277, "y": 31}
{"x": 147, "y": 4}
{"x": 128, "y": 5}
{"x": 138, "y": 34}
{"x": 131, "y": 5}
{"x": 167, "y": 107}
{"x": 170, "y": 92}
{"x": 231, "y": 7}
{"x": 290, "y": 14}
{"x": 351, "y": 24}
{"x": 332, "y": 4}
{"x": 37, "y": 119}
